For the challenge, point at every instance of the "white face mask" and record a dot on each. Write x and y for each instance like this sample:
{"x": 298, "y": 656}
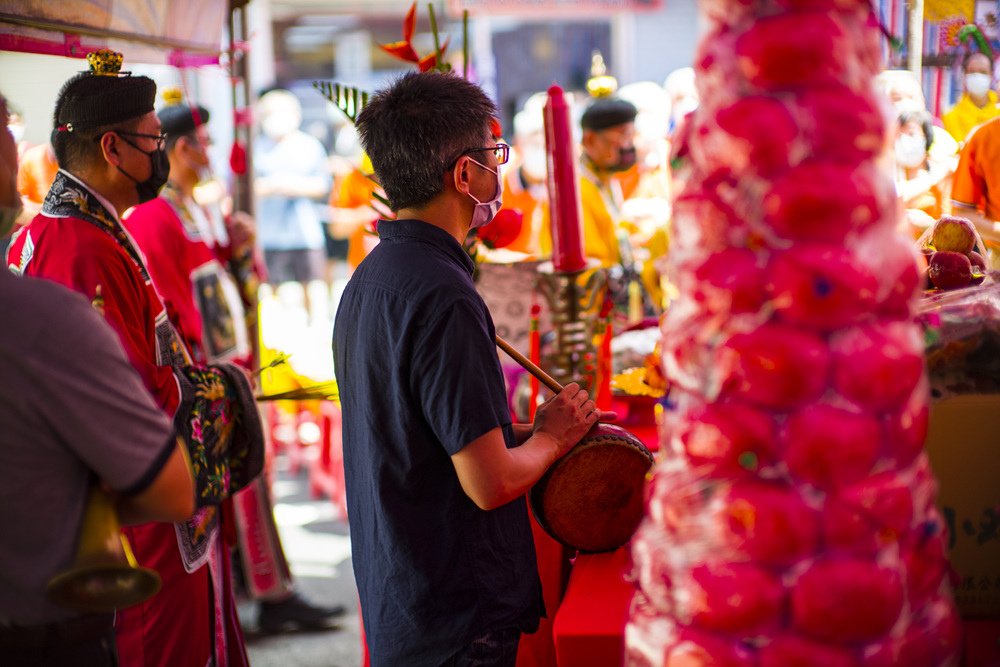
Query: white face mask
{"x": 535, "y": 164}
{"x": 279, "y": 124}
{"x": 485, "y": 210}
{"x": 911, "y": 150}
{"x": 978, "y": 84}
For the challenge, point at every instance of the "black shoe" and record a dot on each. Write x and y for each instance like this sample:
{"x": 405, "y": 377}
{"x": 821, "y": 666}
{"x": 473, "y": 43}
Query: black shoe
{"x": 294, "y": 613}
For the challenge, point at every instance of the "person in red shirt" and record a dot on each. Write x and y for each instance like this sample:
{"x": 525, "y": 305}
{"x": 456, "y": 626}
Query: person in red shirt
{"x": 197, "y": 260}
{"x": 73, "y": 411}
{"x": 108, "y": 144}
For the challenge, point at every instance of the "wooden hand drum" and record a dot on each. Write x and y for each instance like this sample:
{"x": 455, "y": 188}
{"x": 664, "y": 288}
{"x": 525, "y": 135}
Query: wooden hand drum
{"x": 592, "y": 498}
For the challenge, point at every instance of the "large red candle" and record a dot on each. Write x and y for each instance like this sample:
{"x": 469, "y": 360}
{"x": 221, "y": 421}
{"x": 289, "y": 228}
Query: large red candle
{"x": 565, "y": 212}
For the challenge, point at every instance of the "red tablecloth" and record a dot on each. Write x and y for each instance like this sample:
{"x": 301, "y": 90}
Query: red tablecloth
{"x": 589, "y": 627}
{"x": 538, "y": 649}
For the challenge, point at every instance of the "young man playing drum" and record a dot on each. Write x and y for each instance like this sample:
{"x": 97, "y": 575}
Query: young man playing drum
{"x": 435, "y": 470}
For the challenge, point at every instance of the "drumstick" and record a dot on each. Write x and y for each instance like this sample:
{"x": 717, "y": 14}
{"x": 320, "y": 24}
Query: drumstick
{"x": 542, "y": 376}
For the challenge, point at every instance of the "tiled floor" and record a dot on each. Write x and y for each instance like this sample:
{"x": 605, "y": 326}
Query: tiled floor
{"x": 318, "y": 549}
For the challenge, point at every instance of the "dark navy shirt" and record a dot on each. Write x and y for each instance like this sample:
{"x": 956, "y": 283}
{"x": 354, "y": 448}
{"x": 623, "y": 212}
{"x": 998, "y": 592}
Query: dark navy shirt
{"x": 419, "y": 379}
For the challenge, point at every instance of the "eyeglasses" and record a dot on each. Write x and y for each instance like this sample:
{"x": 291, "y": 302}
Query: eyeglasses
{"x": 160, "y": 139}
{"x": 500, "y": 151}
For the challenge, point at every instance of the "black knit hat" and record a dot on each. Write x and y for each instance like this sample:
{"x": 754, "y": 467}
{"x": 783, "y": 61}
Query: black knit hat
{"x": 103, "y": 95}
{"x": 178, "y": 119}
{"x": 607, "y": 112}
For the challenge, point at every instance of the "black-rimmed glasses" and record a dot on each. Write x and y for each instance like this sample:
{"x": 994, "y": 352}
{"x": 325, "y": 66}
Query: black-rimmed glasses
{"x": 160, "y": 139}
{"x": 500, "y": 151}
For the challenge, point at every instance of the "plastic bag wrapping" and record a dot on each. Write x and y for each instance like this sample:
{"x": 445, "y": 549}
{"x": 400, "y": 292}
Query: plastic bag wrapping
{"x": 741, "y": 569}
{"x": 778, "y": 51}
{"x": 962, "y": 336}
{"x": 791, "y": 517}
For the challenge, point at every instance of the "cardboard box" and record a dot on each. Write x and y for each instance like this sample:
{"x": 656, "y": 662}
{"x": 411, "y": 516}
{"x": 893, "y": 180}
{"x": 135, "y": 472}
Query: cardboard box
{"x": 964, "y": 450}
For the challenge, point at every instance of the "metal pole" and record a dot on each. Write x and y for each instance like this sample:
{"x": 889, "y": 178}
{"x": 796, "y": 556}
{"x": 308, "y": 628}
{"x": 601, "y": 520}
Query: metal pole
{"x": 916, "y": 42}
{"x": 239, "y": 75}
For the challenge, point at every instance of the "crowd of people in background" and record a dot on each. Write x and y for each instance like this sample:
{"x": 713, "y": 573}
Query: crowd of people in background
{"x": 317, "y": 208}
{"x": 631, "y": 145}
{"x": 315, "y": 222}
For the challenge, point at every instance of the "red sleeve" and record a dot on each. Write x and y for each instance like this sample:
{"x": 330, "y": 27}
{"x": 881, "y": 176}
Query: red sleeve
{"x": 160, "y": 236}
{"x": 224, "y": 251}
{"x": 85, "y": 259}
{"x": 967, "y": 182}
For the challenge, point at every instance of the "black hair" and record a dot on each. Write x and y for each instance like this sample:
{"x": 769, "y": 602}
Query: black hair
{"x": 923, "y": 119}
{"x": 172, "y": 140}
{"x": 79, "y": 149}
{"x": 414, "y": 131}
{"x": 968, "y": 56}
{"x": 88, "y": 106}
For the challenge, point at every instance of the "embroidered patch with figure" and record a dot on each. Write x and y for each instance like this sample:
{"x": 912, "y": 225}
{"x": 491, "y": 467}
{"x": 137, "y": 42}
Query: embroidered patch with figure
{"x": 27, "y": 252}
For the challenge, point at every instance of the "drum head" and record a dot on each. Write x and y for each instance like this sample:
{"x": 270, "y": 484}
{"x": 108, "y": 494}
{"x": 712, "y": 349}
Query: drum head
{"x": 592, "y": 498}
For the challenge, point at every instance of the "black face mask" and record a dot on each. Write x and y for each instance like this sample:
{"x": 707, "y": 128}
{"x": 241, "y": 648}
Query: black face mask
{"x": 150, "y": 188}
{"x": 626, "y": 158}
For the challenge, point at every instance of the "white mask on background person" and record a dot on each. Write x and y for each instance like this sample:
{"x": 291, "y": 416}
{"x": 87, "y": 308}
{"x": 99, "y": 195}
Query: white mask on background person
{"x": 485, "y": 210}
{"x": 978, "y": 84}
{"x": 911, "y": 150}
{"x": 535, "y": 164}
{"x": 279, "y": 124}
{"x": 17, "y": 130}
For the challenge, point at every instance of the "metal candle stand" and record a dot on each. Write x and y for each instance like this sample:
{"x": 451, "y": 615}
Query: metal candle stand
{"x": 574, "y": 300}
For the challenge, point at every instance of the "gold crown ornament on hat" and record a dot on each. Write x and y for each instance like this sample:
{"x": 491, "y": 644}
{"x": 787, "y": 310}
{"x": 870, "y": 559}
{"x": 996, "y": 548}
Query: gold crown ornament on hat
{"x": 172, "y": 96}
{"x": 105, "y": 62}
{"x": 600, "y": 83}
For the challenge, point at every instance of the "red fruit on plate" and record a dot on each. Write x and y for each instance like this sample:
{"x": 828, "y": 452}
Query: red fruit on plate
{"x": 842, "y": 125}
{"x": 979, "y": 268}
{"x": 791, "y": 50}
{"x": 949, "y": 270}
{"x": 869, "y": 515}
{"x": 878, "y": 365}
{"x": 768, "y": 523}
{"x": 978, "y": 262}
{"x": 728, "y": 438}
{"x": 775, "y": 366}
{"x": 730, "y": 281}
{"x": 732, "y": 598}
{"x": 847, "y": 600}
{"x": 820, "y": 286}
{"x": 953, "y": 235}
{"x": 821, "y": 201}
{"x": 753, "y": 135}
{"x": 829, "y": 447}
{"x": 792, "y": 651}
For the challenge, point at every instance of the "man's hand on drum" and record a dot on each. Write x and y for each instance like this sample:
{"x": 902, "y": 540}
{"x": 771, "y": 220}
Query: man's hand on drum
{"x": 568, "y": 416}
